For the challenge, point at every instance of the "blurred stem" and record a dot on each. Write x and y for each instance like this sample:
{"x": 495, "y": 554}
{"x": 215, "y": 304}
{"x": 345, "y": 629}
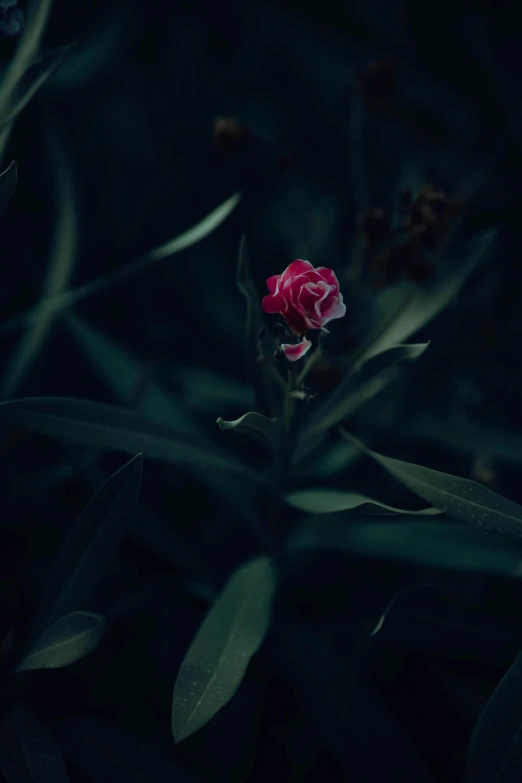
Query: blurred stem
{"x": 309, "y": 365}
{"x": 289, "y": 402}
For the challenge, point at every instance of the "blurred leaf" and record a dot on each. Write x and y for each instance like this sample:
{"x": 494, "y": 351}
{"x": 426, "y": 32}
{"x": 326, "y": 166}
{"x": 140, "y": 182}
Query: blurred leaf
{"x": 218, "y": 657}
{"x": 34, "y": 78}
{"x": 36, "y": 19}
{"x": 66, "y": 299}
{"x": 91, "y": 545}
{"x": 360, "y": 384}
{"x": 105, "y": 753}
{"x": 467, "y": 438}
{"x": 8, "y": 181}
{"x": 209, "y": 391}
{"x": 252, "y": 424}
{"x": 329, "y": 460}
{"x": 421, "y": 305}
{"x": 68, "y": 640}
{"x": 255, "y": 324}
{"x": 28, "y": 751}
{"x": 438, "y": 543}
{"x": 95, "y": 53}
{"x": 198, "y": 232}
{"x": 495, "y": 747}
{"x": 353, "y": 721}
{"x": 327, "y": 501}
{"x": 123, "y": 373}
{"x": 62, "y": 258}
{"x": 108, "y": 427}
{"x": 460, "y": 498}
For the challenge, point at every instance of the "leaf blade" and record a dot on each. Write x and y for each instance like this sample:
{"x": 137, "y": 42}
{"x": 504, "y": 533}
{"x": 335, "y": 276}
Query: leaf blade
{"x": 426, "y": 542}
{"x": 362, "y": 382}
{"x": 493, "y": 747}
{"x": 70, "y": 297}
{"x": 460, "y": 498}
{"x": 65, "y": 642}
{"x": 420, "y": 307}
{"x": 252, "y": 423}
{"x": 325, "y": 501}
{"x": 28, "y": 752}
{"x": 62, "y": 261}
{"x": 25, "y": 52}
{"x": 122, "y": 373}
{"x": 34, "y": 78}
{"x": 113, "y": 428}
{"x": 219, "y": 655}
{"x": 91, "y": 545}
{"x": 354, "y": 722}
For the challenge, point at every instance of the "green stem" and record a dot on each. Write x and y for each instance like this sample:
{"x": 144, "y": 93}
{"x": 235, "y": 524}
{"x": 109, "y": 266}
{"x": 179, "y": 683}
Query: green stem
{"x": 289, "y": 404}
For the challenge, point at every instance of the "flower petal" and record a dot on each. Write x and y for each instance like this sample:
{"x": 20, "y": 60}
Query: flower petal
{"x": 337, "y": 309}
{"x": 272, "y": 283}
{"x": 325, "y": 292}
{"x": 308, "y": 296}
{"x": 328, "y": 275}
{"x": 297, "y": 267}
{"x": 273, "y": 303}
{"x": 297, "y": 351}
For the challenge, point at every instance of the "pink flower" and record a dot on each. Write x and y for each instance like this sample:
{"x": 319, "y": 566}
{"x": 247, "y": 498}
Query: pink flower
{"x": 307, "y": 298}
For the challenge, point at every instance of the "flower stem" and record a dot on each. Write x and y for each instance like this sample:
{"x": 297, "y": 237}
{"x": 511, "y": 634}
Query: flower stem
{"x": 289, "y": 402}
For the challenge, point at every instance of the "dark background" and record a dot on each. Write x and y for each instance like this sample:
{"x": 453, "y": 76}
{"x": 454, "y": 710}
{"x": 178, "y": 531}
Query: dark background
{"x": 133, "y": 108}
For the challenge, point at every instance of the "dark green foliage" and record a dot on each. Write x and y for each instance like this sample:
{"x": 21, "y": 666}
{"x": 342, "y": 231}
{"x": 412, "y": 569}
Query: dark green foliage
{"x": 335, "y": 596}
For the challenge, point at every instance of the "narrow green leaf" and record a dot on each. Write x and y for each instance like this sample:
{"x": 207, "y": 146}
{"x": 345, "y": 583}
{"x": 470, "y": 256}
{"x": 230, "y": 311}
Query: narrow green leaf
{"x": 97, "y": 50}
{"x": 34, "y": 78}
{"x": 108, "y": 427}
{"x": 36, "y": 19}
{"x": 28, "y": 751}
{"x": 494, "y": 751}
{"x": 252, "y": 424}
{"x": 209, "y": 391}
{"x": 8, "y": 181}
{"x": 68, "y": 298}
{"x": 360, "y": 384}
{"x": 460, "y": 498}
{"x": 219, "y": 655}
{"x": 123, "y": 373}
{"x": 66, "y": 641}
{"x": 106, "y": 753}
{"x": 422, "y": 305}
{"x": 91, "y": 545}
{"x": 351, "y": 717}
{"x": 326, "y": 501}
{"x": 5, "y": 132}
{"x": 62, "y": 259}
{"x": 437, "y": 543}
{"x": 329, "y": 460}
{"x": 198, "y": 232}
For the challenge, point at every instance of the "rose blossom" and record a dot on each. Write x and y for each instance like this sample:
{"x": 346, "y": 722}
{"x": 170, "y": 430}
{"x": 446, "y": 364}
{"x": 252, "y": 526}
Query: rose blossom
{"x": 307, "y": 298}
